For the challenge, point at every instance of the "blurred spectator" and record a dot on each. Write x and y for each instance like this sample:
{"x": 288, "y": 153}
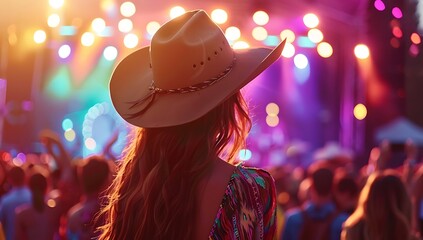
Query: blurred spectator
{"x": 287, "y": 179}
{"x": 17, "y": 196}
{"x": 94, "y": 176}
{"x": 384, "y": 210}
{"x": 333, "y": 156}
{"x": 67, "y": 191}
{"x": 318, "y": 218}
{"x": 37, "y": 220}
{"x": 346, "y": 192}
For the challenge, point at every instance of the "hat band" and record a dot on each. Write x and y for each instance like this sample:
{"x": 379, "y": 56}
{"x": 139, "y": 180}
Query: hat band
{"x": 193, "y": 88}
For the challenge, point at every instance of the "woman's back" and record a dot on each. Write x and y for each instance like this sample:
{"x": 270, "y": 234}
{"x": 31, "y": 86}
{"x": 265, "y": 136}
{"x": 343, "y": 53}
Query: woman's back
{"x": 238, "y": 202}
{"x": 248, "y": 209}
{"x": 37, "y": 220}
{"x": 211, "y": 190}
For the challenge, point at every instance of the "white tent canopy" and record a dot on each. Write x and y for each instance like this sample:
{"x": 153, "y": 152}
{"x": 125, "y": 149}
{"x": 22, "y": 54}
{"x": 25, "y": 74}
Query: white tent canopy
{"x": 399, "y": 130}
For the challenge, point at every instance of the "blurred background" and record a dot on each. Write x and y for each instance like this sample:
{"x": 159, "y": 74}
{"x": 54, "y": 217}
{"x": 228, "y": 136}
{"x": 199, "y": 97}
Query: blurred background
{"x": 350, "y": 76}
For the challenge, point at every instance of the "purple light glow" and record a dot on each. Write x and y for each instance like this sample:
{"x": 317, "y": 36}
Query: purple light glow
{"x": 414, "y": 50}
{"x": 27, "y": 105}
{"x": 379, "y": 5}
{"x": 21, "y": 156}
{"x": 2, "y": 83}
{"x": 396, "y": 12}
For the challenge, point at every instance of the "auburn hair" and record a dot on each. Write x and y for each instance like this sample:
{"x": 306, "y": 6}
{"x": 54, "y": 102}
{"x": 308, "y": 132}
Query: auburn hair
{"x": 385, "y": 206}
{"x": 153, "y": 194}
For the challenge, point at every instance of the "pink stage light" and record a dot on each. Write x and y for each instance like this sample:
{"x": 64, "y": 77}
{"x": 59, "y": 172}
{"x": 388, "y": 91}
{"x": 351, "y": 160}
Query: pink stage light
{"x": 379, "y": 5}
{"x": 396, "y": 12}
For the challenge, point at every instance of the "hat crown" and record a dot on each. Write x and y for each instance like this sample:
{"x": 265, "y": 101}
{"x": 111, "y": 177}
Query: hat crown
{"x": 188, "y": 69}
{"x": 188, "y": 50}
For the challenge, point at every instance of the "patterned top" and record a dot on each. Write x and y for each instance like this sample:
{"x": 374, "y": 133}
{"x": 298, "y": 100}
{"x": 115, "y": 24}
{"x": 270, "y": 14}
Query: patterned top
{"x": 248, "y": 208}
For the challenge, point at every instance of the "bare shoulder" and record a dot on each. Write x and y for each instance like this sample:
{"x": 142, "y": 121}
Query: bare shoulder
{"x": 222, "y": 166}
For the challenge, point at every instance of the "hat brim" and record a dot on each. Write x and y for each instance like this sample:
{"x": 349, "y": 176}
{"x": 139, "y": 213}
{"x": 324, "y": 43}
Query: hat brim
{"x": 132, "y": 78}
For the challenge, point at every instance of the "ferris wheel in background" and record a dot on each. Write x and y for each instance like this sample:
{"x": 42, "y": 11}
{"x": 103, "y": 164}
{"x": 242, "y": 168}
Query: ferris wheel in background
{"x": 102, "y": 127}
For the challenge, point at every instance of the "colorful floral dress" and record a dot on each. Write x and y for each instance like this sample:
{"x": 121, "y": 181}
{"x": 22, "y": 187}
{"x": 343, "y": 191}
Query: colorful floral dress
{"x": 248, "y": 208}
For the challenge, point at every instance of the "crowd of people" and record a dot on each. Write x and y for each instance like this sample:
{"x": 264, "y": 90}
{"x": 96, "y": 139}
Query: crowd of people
{"x": 44, "y": 202}
{"x": 331, "y": 200}
{"x": 328, "y": 199}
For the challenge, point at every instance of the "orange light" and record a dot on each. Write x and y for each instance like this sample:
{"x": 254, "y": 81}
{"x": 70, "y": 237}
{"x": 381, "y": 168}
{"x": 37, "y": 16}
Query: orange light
{"x": 415, "y": 38}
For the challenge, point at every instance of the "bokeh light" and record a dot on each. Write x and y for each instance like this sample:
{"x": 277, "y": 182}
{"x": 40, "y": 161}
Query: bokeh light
{"x": 315, "y": 35}
{"x": 361, "y": 51}
{"x": 219, "y": 16}
{"x": 396, "y": 12}
{"x": 272, "y": 109}
{"x": 289, "y": 50}
{"x": 240, "y": 45}
{"x": 125, "y": 25}
{"x": 261, "y": 18}
{"x": 40, "y": 36}
{"x": 87, "y": 39}
{"x": 300, "y": 61}
{"x": 56, "y": 4}
{"x": 67, "y": 124}
{"x": 98, "y": 25}
{"x": 360, "y": 111}
{"x": 259, "y": 33}
{"x": 414, "y": 50}
{"x": 51, "y": 203}
{"x": 324, "y": 49}
{"x": 379, "y": 5}
{"x": 90, "y": 143}
{"x": 109, "y": 6}
{"x": 283, "y": 198}
{"x": 152, "y": 27}
{"x": 70, "y": 135}
{"x": 67, "y": 30}
{"x": 17, "y": 161}
{"x": 176, "y": 11}
{"x": 272, "y": 40}
{"x": 7, "y": 157}
{"x": 397, "y": 32}
{"x": 244, "y": 155}
{"x": 288, "y": 34}
{"x": 305, "y": 42}
{"x": 64, "y": 51}
{"x": 130, "y": 40}
{"x": 232, "y": 33}
{"x": 311, "y": 20}
{"x": 21, "y": 156}
{"x": 127, "y": 9}
{"x": 272, "y": 121}
{"x": 53, "y": 20}
{"x": 415, "y": 38}
{"x": 110, "y": 53}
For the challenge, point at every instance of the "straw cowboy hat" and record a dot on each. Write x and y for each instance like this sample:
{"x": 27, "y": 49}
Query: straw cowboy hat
{"x": 188, "y": 70}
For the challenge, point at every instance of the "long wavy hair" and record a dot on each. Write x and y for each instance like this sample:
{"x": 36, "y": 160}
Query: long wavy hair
{"x": 154, "y": 193}
{"x": 385, "y": 207}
